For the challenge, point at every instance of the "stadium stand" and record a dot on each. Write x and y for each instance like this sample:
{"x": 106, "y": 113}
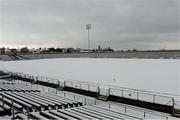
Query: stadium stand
{"x": 11, "y": 86}
{"x": 82, "y": 113}
{"x": 172, "y": 54}
{"x": 127, "y": 54}
{"x": 39, "y": 101}
{"x": 36, "y": 104}
{"x": 5, "y": 58}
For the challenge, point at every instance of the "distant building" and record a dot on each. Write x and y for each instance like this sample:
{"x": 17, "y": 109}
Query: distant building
{"x": 24, "y": 50}
{"x": 7, "y": 51}
{"x": 37, "y": 51}
{"x": 95, "y": 50}
{"x": 13, "y": 51}
{"x": 2, "y": 51}
{"x": 72, "y": 50}
{"x": 108, "y": 50}
{"x": 64, "y": 50}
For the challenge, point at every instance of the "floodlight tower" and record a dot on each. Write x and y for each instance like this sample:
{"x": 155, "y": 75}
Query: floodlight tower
{"x": 88, "y": 28}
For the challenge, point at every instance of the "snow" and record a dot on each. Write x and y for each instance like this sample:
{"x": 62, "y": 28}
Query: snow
{"x": 118, "y": 107}
{"x": 160, "y": 75}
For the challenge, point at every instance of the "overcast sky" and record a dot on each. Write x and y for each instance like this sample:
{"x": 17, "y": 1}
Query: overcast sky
{"x": 120, "y": 24}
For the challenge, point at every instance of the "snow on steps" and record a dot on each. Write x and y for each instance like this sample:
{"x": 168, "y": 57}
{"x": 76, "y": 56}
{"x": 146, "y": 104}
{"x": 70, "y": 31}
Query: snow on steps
{"x": 177, "y": 112}
{"x": 103, "y": 97}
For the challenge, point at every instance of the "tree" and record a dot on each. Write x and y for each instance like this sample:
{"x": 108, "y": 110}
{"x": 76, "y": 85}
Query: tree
{"x": 59, "y": 50}
{"x": 51, "y": 49}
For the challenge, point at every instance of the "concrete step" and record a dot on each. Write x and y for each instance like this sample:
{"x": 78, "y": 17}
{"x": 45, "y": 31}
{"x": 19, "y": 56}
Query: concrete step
{"x": 103, "y": 97}
{"x": 177, "y": 111}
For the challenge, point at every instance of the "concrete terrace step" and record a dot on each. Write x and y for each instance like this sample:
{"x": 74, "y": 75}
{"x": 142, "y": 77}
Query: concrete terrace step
{"x": 177, "y": 112}
{"x": 103, "y": 97}
{"x": 34, "y": 82}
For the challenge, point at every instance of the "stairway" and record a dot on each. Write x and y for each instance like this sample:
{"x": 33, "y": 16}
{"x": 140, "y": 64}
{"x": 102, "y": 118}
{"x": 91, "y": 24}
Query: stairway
{"x": 177, "y": 112}
{"x": 103, "y": 98}
{"x": 16, "y": 57}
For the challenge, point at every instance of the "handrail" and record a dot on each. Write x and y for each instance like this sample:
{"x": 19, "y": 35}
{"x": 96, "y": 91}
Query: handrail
{"x": 154, "y": 94}
{"x": 153, "y": 98}
{"x": 97, "y": 84}
{"x": 116, "y": 87}
{"x": 138, "y": 109}
{"x": 71, "y": 94}
{"x": 82, "y": 82}
{"x": 143, "y": 92}
{"x": 169, "y": 102}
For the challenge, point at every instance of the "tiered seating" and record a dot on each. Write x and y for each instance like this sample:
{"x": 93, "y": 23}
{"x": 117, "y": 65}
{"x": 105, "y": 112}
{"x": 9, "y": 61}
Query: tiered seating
{"x": 8, "y": 105}
{"x": 4, "y": 111}
{"x": 37, "y": 116}
{"x": 10, "y": 86}
{"x": 82, "y": 113}
{"x": 7, "y": 101}
{"x": 2, "y": 81}
{"x": 55, "y": 96}
{"x": 21, "y": 116}
{"x": 37, "y": 101}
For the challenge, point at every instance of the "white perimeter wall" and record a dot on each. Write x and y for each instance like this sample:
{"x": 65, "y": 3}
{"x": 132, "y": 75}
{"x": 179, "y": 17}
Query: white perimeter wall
{"x": 161, "y": 75}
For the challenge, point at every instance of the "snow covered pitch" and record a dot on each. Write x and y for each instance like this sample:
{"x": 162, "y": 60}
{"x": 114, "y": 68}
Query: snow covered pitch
{"x": 159, "y": 75}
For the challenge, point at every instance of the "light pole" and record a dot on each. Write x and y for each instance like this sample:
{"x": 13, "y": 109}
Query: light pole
{"x": 88, "y": 28}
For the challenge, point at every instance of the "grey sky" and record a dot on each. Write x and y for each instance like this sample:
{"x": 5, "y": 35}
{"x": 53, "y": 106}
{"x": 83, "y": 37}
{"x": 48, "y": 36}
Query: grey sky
{"x": 120, "y": 24}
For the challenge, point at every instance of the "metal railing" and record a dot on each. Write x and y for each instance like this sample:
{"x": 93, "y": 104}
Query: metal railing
{"x": 127, "y": 109}
{"x": 82, "y": 85}
{"x": 141, "y": 95}
{"x": 148, "y": 96}
{"x": 145, "y": 114}
{"x": 37, "y": 78}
